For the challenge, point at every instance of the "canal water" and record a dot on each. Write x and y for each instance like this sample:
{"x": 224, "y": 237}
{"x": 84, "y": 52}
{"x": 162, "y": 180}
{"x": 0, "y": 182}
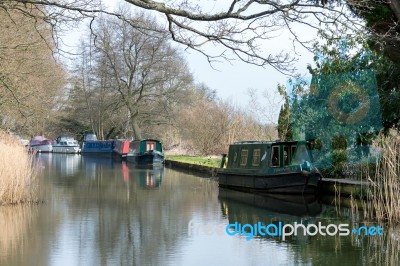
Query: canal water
{"x": 99, "y": 211}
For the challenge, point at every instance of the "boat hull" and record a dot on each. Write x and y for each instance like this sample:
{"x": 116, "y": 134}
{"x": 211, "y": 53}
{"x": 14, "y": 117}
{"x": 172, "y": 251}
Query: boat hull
{"x": 66, "y": 149}
{"x": 290, "y": 183}
{"x": 146, "y": 158}
{"x": 42, "y": 148}
{"x": 98, "y": 146}
{"x": 121, "y": 147}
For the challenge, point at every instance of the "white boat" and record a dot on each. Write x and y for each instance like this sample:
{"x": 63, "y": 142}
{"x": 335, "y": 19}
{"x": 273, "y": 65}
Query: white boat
{"x": 66, "y": 144}
{"x": 40, "y": 144}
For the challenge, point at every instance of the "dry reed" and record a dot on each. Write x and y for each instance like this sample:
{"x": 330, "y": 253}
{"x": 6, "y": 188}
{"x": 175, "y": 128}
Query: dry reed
{"x": 383, "y": 202}
{"x": 18, "y": 183}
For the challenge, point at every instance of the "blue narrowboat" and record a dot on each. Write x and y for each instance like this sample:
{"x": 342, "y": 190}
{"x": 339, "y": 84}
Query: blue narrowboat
{"x": 92, "y": 145}
{"x": 270, "y": 166}
{"x": 146, "y": 151}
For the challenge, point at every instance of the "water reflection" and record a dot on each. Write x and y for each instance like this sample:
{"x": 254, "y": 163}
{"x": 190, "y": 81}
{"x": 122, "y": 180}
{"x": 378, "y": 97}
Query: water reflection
{"x": 99, "y": 211}
{"x": 112, "y": 213}
{"x": 15, "y": 222}
{"x": 66, "y": 164}
{"x": 148, "y": 177}
{"x": 310, "y": 250}
{"x": 276, "y": 204}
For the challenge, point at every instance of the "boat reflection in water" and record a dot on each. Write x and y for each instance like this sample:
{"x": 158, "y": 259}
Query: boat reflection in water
{"x": 96, "y": 165}
{"x": 242, "y": 208}
{"x": 66, "y": 164}
{"x": 295, "y": 205}
{"x": 151, "y": 179}
{"x": 148, "y": 177}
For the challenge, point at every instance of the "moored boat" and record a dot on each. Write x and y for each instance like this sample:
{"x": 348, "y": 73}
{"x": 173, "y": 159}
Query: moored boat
{"x": 40, "y": 144}
{"x": 146, "y": 151}
{"x": 272, "y": 167}
{"x": 66, "y": 144}
{"x": 92, "y": 145}
{"x": 121, "y": 147}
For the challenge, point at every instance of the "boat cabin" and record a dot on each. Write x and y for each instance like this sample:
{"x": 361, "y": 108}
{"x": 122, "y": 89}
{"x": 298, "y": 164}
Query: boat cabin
{"x": 89, "y": 137}
{"x": 146, "y": 145}
{"x": 66, "y": 140}
{"x": 271, "y": 154}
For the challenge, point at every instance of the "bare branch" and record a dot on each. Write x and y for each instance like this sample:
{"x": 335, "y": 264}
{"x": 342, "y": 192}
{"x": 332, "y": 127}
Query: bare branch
{"x": 238, "y": 28}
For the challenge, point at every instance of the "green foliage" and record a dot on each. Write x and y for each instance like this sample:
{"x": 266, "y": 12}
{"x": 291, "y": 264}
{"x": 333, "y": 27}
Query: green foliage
{"x": 341, "y": 102}
{"x": 388, "y": 78}
{"x": 378, "y": 13}
{"x": 284, "y": 127}
{"x": 339, "y": 143}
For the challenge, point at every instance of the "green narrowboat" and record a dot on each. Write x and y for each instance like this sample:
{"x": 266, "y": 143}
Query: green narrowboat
{"x": 272, "y": 167}
{"x": 145, "y": 152}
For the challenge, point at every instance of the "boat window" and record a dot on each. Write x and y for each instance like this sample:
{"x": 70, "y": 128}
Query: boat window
{"x": 256, "y": 157}
{"x": 243, "y": 157}
{"x": 301, "y": 154}
{"x": 275, "y": 156}
{"x": 293, "y": 151}
{"x": 286, "y": 155}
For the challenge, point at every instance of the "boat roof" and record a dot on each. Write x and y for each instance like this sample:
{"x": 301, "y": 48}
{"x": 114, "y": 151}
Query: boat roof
{"x": 65, "y": 137}
{"x": 268, "y": 142}
{"x": 146, "y": 140}
{"x": 38, "y": 138}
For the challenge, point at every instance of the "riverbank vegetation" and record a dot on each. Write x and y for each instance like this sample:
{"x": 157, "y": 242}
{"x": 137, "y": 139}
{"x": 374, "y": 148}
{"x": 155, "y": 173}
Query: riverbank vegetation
{"x": 18, "y": 183}
{"x": 383, "y": 197}
{"x": 211, "y": 161}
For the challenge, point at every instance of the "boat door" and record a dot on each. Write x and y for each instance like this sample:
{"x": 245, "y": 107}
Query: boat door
{"x": 150, "y": 146}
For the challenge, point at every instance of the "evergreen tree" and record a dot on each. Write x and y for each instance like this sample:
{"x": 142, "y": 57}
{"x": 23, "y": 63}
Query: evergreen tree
{"x": 284, "y": 128}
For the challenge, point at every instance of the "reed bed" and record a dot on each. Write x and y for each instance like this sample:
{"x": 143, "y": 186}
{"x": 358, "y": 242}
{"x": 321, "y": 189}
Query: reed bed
{"x": 383, "y": 202}
{"x": 18, "y": 182}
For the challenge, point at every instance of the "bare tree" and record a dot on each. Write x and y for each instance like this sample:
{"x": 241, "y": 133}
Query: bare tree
{"x": 264, "y": 109}
{"x": 207, "y": 126}
{"x": 30, "y": 77}
{"x": 142, "y": 73}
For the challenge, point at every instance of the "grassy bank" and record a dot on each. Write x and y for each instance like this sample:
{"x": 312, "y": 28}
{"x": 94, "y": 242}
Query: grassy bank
{"x": 210, "y": 161}
{"x": 17, "y": 176}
